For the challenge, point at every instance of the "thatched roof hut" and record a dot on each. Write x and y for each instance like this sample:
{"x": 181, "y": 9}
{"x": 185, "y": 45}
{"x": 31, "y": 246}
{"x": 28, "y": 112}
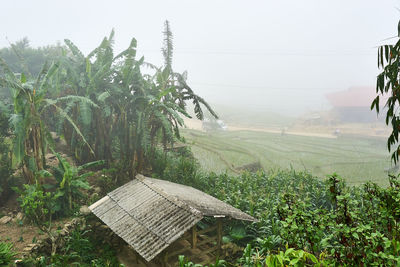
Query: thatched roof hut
{"x": 150, "y": 214}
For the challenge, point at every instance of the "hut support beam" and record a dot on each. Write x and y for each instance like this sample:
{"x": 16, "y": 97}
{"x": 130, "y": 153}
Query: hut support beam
{"x": 165, "y": 259}
{"x": 194, "y": 236}
{"x": 219, "y": 236}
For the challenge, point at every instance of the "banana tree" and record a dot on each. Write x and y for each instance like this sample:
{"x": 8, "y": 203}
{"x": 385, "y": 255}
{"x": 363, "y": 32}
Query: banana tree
{"x": 171, "y": 92}
{"x": 90, "y": 77}
{"x": 70, "y": 181}
{"x": 28, "y": 120}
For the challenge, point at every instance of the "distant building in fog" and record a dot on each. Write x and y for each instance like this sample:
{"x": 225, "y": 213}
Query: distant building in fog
{"x": 354, "y": 104}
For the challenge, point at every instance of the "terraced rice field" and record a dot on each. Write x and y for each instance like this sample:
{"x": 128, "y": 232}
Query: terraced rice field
{"x": 356, "y": 158}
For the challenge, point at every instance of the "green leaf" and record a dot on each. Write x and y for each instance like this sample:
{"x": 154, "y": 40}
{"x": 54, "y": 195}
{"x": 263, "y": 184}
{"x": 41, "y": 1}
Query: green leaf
{"x": 279, "y": 257}
{"x": 290, "y": 250}
{"x": 48, "y": 186}
{"x": 23, "y": 78}
{"x": 355, "y": 235}
{"x": 312, "y": 258}
{"x": 387, "y": 53}
{"x": 238, "y": 232}
{"x": 88, "y": 67}
{"x": 103, "y": 96}
{"x": 44, "y": 173}
{"x": 398, "y": 29}
{"x": 91, "y": 164}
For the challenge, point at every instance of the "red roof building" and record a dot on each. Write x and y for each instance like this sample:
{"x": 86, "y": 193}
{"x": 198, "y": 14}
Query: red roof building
{"x": 353, "y": 97}
{"x": 353, "y": 105}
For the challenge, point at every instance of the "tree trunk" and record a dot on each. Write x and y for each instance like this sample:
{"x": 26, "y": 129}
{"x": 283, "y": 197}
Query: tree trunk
{"x": 53, "y": 244}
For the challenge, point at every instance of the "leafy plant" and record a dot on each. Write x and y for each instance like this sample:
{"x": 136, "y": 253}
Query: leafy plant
{"x": 6, "y": 253}
{"x": 135, "y": 114}
{"x": 70, "y": 181}
{"x": 79, "y": 250}
{"x": 78, "y": 243}
{"x": 30, "y": 104}
{"x": 183, "y": 262}
{"x": 39, "y": 207}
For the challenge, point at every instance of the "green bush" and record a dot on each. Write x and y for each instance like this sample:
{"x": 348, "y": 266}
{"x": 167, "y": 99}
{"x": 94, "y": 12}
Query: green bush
{"x": 257, "y": 194}
{"x": 302, "y": 220}
{"x": 359, "y": 227}
{"x": 177, "y": 167}
{"x": 39, "y": 208}
{"x": 184, "y": 262}
{"x": 70, "y": 182}
{"x": 6, "y": 253}
{"x": 81, "y": 250}
{"x": 37, "y": 205}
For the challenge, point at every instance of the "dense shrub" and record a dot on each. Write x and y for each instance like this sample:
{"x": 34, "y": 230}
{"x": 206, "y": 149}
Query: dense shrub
{"x": 178, "y": 167}
{"x": 303, "y": 221}
{"x": 359, "y": 228}
{"x": 79, "y": 250}
{"x": 6, "y": 253}
{"x": 257, "y": 194}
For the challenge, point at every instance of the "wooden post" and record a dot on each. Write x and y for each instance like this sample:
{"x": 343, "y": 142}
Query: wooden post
{"x": 136, "y": 257}
{"x": 219, "y": 236}
{"x": 194, "y": 236}
{"x": 165, "y": 259}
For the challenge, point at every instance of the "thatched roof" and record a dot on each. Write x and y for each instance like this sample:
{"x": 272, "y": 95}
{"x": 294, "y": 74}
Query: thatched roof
{"x": 150, "y": 214}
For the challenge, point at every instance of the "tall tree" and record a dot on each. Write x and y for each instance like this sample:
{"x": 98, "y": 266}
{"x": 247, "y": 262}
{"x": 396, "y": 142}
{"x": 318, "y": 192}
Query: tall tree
{"x": 388, "y": 83}
{"x": 29, "y": 105}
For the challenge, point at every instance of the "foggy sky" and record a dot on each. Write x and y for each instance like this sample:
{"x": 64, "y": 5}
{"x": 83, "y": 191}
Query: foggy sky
{"x": 278, "y": 55}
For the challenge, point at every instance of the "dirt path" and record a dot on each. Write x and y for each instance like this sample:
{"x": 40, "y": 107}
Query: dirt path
{"x": 19, "y": 235}
{"x": 322, "y": 135}
{"x": 371, "y": 130}
{"x": 22, "y": 235}
{"x": 196, "y": 125}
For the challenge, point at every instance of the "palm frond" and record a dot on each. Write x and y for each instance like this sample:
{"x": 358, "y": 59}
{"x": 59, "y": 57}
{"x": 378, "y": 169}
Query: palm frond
{"x": 91, "y": 164}
{"x": 69, "y": 119}
{"x": 103, "y": 96}
{"x": 85, "y": 113}
{"x": 73, "y": 99}
{"x": 73, "y": 48}
{"x": 151, "y": 66}
{"x": 41, "y": 74}
{"x": 197, "y": 100}
{"x": 45, "y": 75}
{"x": 17, "y": 122}
{"x": 130, "y": 52}
{"x": 165, "y": 123}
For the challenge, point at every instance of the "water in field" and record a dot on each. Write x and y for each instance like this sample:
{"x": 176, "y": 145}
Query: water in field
{"x": 356, "y": 158}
